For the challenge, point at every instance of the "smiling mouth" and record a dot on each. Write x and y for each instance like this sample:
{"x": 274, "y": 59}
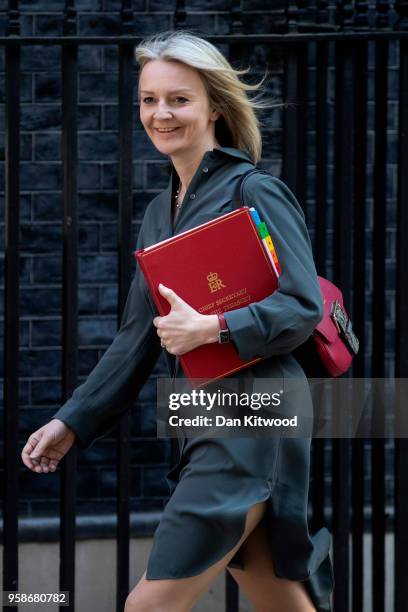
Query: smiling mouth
{"x": 166, "y": 130}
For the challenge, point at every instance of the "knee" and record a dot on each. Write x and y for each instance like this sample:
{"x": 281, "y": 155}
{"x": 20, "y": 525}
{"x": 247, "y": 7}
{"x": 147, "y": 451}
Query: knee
{"x": 139, "y": 602}
{"x": 136, "y": 604}
{"x": 131, "y": 605}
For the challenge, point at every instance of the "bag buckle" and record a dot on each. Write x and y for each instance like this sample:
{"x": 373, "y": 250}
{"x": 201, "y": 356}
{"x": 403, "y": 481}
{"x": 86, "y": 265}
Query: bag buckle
{"x": 344, "y": 326}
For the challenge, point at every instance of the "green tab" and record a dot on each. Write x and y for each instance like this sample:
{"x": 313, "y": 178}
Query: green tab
{"x": 263, "y": 230}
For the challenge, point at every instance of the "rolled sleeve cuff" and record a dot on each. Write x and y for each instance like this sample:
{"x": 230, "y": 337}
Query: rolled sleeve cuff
{"x": 244, "y": 334}
{"x": 71, "y": 416}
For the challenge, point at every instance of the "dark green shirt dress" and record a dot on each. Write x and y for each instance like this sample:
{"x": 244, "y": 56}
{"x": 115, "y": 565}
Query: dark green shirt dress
{"x": 217, "y": 480}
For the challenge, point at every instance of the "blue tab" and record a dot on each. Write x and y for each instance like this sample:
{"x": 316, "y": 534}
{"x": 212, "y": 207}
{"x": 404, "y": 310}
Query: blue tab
{"x": 255, "y": 215}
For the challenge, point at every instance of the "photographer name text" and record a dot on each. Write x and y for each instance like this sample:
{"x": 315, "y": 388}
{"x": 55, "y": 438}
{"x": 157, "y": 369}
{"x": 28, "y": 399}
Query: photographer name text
{"x": 222, "y": 421}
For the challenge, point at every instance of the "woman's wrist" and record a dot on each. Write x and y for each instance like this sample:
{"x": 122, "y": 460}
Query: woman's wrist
{"x": 210, "y": 328}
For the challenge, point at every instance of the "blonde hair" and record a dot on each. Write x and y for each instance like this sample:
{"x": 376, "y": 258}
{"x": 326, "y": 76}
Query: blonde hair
{"x": 238, "y": 126}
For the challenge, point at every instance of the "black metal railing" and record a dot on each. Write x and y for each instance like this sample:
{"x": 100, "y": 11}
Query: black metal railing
{"x": 330, "y": 41}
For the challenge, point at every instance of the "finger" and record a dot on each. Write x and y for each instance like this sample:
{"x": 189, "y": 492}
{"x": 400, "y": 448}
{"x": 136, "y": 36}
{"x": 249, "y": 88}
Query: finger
{"x": 44, "y": 463}
{"x": 33, "y": 465}
{"x": 25, "y": 458}
{"x": 27, "y": 450}
{"x": 40, "y": 448}
{"x": 30, "y": 445}
{"x": 54, "y": 459}
{"x": 169, "y": 294}
{"x": 50, "y": 462}
{"x": 156, "y": 321}
{"x": 27, "y": 461}
{"x": 53, "y": 465}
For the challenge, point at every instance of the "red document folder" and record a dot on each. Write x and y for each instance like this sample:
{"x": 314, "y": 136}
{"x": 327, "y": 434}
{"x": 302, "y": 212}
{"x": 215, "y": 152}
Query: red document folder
{"x": 217, "y": 266}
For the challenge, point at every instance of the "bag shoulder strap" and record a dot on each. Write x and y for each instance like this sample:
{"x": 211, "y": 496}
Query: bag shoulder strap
{"x": 238, "y": 194}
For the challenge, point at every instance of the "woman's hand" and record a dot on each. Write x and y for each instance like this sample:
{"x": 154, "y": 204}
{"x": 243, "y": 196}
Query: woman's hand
{"x": 183, "y": 329}
{"x": 47, "y": 446}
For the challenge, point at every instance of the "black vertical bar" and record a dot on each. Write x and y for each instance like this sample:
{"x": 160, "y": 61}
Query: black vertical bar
{"x": 125, "y": 262}
{"x": 401, "y": 336}
{"x": 294, "y": 120}
{"x": 321, "y": 155}
{"x": 174, "y": 451}
{"x": 290, "y": 162}
{"x": 357, "y": 445}
{"x": 238, "y": 54}
{"x": 361, "y": 14}
{"x": 179, "y": 18}
{"x": 231, "y": 594}
{"x": 378, "y": 314}
{"x": 318, "y": 444}
{"x": 383, "y": 13}
{"x": 69, "y": 295}
{"x": 180, "y": 15}
{"x": 320, "y": 9}
{"x": 301, "y": 123}
{"x": 11, "y": 318}
{"x": 343, "y": 213}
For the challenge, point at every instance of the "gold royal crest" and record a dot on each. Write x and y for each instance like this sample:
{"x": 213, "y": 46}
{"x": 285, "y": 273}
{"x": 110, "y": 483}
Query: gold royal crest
{"x": 214, "y": 283}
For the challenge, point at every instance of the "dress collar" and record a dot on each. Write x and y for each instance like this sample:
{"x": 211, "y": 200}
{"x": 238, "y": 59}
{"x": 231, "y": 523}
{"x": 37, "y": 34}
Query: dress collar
{"x": 213, "y": 154}
{"x": 230, "y": 151}
{"x": 221, "y": 154}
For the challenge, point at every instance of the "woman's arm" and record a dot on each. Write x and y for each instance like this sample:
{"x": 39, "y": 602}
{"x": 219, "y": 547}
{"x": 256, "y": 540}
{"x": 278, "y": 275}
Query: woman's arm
{"x": 111, "y": 387}
{"x": 284, "y": 320}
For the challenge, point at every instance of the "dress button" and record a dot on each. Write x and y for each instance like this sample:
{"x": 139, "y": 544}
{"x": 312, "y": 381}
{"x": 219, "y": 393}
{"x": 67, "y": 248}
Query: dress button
{"x": 192, "y": 196}
{"x": 205, "y": 169}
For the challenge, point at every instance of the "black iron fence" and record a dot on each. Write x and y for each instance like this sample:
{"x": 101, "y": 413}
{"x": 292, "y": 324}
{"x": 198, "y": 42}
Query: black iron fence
{"x": 339, "y": 156}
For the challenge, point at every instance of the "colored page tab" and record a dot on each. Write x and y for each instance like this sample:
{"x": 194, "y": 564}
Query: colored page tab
{"x": 271, "y": 259}
{"x": 269, "y": 243}
{"x": 255, "y": 215}
{"x": 263, "y": 230}
{"x": 267, "y": 240}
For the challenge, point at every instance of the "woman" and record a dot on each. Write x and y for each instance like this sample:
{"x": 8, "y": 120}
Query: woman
{"x": 236, "y": 503}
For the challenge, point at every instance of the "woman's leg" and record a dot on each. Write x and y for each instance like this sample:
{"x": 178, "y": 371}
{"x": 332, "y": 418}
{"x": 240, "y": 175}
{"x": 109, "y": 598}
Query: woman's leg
{"x": 265, "y": 591}
{"x": 179, "y": 595}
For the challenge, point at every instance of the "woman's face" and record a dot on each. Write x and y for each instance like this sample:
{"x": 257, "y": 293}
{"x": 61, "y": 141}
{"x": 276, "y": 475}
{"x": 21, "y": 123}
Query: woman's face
{"x": 172, "y": 95}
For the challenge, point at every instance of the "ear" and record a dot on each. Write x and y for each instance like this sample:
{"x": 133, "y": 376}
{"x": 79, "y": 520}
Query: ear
{"x": 215, "y": 114}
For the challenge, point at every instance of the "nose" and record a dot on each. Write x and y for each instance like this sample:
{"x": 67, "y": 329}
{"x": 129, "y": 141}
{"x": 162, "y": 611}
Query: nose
{"x": 161, "y": 111}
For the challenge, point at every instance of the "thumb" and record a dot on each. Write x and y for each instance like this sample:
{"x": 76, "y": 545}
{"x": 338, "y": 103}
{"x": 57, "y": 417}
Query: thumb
{"x": 169, "y": 294}
{"x": 40, "y": 448}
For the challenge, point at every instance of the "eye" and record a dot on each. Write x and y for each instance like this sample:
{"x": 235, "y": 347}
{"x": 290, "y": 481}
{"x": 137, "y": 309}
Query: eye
{"x": 146, "y": 100}
{"x": 182, "y": 98}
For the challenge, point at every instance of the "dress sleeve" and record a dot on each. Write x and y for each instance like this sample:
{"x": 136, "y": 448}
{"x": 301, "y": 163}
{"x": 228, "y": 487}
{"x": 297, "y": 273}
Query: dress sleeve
{"x": 285, "y": 319}
{"x": 97, "y": 404}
